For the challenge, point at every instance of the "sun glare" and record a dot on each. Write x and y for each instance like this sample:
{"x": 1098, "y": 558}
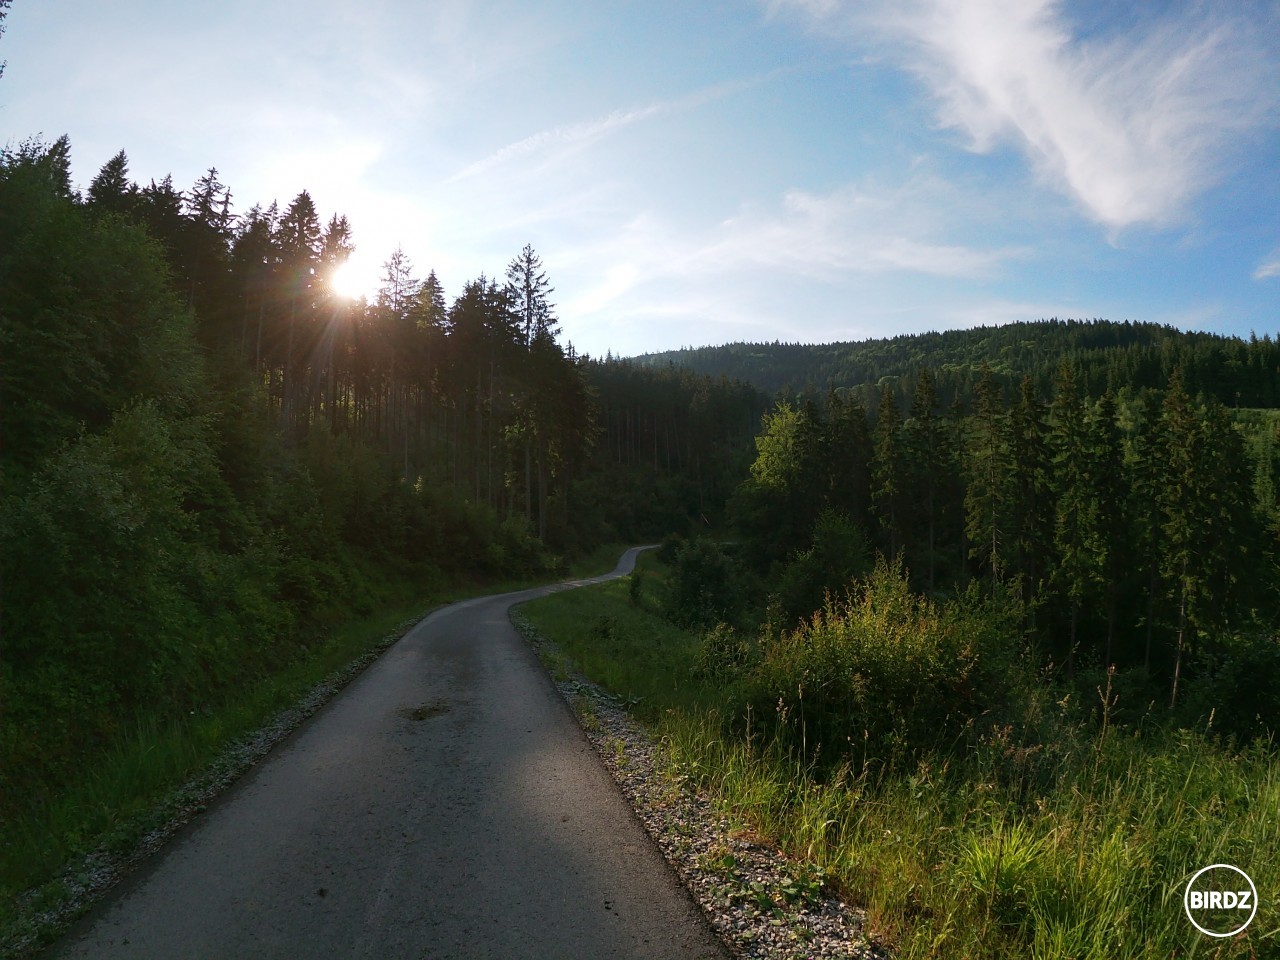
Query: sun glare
{"x": 349, "y": 281}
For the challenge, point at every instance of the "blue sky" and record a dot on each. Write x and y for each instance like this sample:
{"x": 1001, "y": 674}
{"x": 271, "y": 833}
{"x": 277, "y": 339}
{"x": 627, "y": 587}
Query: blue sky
{"x": 802, "y": 170}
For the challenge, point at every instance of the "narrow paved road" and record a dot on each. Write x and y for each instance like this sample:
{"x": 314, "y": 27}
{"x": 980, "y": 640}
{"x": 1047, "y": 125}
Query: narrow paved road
{"x": 444, "y": 805}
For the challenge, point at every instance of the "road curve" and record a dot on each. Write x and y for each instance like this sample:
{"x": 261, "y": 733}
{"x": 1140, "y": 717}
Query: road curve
{"x": 444, "y": 805}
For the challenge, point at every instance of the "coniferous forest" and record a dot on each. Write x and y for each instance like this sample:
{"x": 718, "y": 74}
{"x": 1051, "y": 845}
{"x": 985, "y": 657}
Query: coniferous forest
{"x": 211, "y": 459}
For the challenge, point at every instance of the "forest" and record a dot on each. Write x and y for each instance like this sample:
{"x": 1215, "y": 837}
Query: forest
{"x": 1104, "y": 355}
{"x": 211, "y": 459}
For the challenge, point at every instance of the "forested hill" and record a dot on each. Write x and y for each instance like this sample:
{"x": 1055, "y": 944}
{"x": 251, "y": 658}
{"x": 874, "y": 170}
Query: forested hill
{"x": 1105, "y": 354}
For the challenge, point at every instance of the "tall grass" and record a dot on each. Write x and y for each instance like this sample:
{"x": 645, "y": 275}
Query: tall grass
{"x": 1042, "y": 830}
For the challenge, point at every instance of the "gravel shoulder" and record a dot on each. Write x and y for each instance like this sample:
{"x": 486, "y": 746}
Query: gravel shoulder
{"x": 761, "y": 903}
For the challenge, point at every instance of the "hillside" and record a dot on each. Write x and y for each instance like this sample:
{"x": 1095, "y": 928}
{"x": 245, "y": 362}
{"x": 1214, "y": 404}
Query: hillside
{"x": 1105, "y": 353}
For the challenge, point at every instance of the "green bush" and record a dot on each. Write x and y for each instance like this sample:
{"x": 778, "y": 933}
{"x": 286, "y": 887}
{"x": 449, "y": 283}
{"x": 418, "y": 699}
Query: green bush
{"x": 837, "y": 554}
{"x": 707, "y": 587}
{"x": 1239, "y": 688}
{"x": 884, "y": 674}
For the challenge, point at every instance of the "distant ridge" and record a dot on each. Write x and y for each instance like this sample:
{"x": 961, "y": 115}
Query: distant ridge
{"x": 1105, "y": 353}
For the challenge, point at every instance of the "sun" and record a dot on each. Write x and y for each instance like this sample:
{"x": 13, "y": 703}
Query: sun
{"x": 349, "y": 281}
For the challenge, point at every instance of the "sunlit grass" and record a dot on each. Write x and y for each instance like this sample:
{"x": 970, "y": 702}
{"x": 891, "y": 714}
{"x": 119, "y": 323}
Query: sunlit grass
{"x": 964, "y": 853}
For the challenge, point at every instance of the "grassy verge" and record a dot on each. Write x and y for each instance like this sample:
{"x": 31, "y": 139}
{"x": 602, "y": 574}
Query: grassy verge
{"x": 1078, "y": 845}
{"x": 131, "y": 790}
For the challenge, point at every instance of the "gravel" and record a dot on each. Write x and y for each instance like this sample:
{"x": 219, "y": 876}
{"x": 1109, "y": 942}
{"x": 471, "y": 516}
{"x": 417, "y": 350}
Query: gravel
{"x": 762, "y": 903}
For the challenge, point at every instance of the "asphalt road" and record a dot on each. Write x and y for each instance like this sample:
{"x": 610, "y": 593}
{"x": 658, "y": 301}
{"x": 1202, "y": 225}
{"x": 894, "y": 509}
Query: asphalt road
{"x": 445, "y": 804}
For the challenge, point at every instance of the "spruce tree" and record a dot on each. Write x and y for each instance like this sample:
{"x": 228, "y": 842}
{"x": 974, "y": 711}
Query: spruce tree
{"x": 926, "y": 473}
{"x": 886, "y": 472}
{"x": 111, "y": 190}
{"x": 529, "y": 289}
{"x": 1148, "y": 484}
{"x": 1030, "y": 503}
{"x": 1076, "y": 572}
{"x": 985, "y": 499}
{"x": 1108, "y": 490}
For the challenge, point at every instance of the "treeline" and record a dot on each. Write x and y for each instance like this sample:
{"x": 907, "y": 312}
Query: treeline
{"x": 1140, "y": 534}
{"x": 1105, "y": 355}
{"x": 210, "y": 456}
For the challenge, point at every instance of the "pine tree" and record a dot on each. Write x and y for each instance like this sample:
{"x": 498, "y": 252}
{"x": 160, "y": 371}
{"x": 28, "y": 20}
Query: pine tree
{"x": 1181, "y": 505}
{"x": 298, "y": 236}
{"x": 847, "y": 455}
{"x": 255, "y": 258}
{"x": 1108, "y": 486}
{"x": 4, "y": 10}
{"x": 336, "y": 249}
{"x": 926, "y": 472}
{"x": 111, "y": 190}
{"x": 985, "y": 498}
{"x": 1149, "y": 483}
{"x": 529, "y": 289}
{"x": 206, "y": 240}
{"x": 1076, "y": 573}
{"x": 1029, "y": 500}
{"x": 887, "y": 473}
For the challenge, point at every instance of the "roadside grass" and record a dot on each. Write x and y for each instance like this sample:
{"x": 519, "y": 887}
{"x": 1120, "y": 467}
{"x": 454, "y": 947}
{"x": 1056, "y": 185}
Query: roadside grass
{"x": 1079, "y": 847}
{"x": 130, "y": 790}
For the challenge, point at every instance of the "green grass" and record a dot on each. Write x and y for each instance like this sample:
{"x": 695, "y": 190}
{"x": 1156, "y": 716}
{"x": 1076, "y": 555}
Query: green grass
{"x": 1078, "y": 847}
{"x": 130, "y": 790}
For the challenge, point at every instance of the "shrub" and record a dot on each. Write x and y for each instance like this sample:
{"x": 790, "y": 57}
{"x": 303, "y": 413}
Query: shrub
{"x": 837, "y": 554}
{"x": 884, "y": 674}
{"x": 1240, "y": 688}
{"x": 706, "y": 585}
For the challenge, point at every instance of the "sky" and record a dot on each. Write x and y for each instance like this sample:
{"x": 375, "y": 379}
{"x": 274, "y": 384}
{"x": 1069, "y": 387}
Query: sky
{"x": 700, "y": 173}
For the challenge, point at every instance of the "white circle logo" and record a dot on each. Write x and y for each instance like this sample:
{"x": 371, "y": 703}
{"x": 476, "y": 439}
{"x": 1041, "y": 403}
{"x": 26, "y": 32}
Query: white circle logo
{"x": 1216, "y": 898}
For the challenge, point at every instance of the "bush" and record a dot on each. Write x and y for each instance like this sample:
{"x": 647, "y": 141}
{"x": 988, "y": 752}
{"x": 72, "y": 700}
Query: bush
{"x": 670, "y": 548}
{"x": 707, "y": 587}
{"x": 837, "y": 554}
{"x": 1239, "y": 688}
{"x": 884, "y": 674}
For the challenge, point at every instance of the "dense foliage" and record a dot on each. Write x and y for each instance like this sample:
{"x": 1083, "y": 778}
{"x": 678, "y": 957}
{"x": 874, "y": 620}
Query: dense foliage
{"x": 210, "y": 456}
{"x": 1138, "y": 532}
{"x": 1105, "y": 354}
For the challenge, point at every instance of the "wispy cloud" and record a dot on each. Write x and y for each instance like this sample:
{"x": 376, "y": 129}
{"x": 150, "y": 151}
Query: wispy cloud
{"x": 568, "y": 135}
{"x": 1269, "y": 267}
{"x": 573, "y": 136}
{"x": 859, "y": 230}
{"x": 1132, "y": 125}
{"x": 856, "y": 229}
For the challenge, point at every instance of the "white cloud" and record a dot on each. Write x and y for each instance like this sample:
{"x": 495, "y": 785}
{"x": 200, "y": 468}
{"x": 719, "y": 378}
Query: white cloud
{"x": 1269, "y": 267}
{"x": 559, "y": 141}
{"x": 1132, "y": 126}
{"x": 568, "y": 135}
{"x": 854, "y": 229}
{"x": 822, "y": 241}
